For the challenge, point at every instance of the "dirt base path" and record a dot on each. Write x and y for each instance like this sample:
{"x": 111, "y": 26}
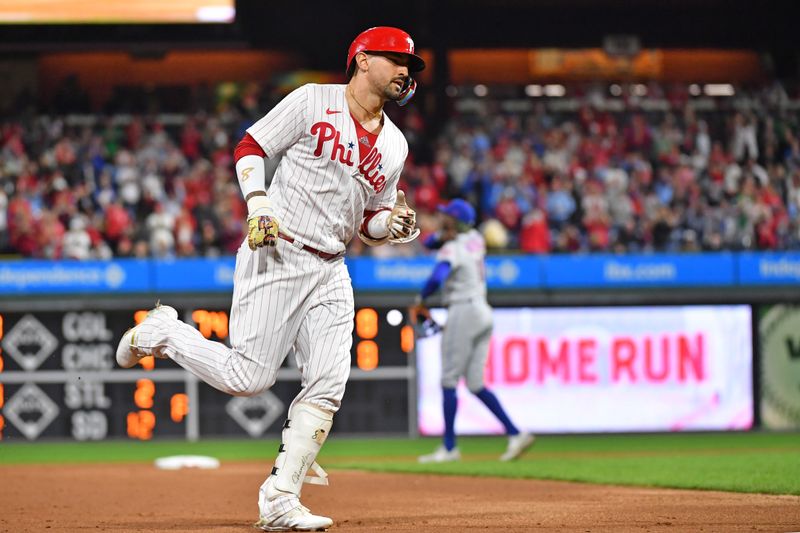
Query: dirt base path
{"x": 142, "y": 498}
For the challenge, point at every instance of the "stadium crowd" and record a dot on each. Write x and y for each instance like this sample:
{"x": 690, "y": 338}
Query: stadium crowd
{"x": 545, "y": 177}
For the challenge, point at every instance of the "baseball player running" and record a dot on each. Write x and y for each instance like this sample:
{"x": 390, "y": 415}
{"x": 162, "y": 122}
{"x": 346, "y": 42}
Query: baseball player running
{"x": 460, "y": 272}
{"x": 342, "y": 157}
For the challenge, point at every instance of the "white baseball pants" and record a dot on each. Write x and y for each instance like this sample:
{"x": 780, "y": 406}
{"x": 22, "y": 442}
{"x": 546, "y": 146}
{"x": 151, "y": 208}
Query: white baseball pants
{"x": 283, "y": 298}
{"x": 465, "y": 344}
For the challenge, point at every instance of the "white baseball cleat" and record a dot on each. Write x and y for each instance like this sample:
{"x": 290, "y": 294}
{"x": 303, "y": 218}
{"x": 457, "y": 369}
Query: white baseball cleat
{"x": 517, "y": 445}
{"x": 298, "y": 519}
{"x": 441, "y": 455}
{"x": 272, "y": 503}
{"x": 128, "y": 353}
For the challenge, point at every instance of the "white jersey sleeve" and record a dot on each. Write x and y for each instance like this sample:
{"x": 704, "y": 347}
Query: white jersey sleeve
{"x": 284, "y": 124}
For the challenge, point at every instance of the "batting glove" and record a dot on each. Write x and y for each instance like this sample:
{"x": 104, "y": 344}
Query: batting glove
{"x": 402, "y": 222}
{"x": 262, "y": 230}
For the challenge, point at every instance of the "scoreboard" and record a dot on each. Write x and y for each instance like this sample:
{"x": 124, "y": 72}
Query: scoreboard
{"x": 59, "y": 379}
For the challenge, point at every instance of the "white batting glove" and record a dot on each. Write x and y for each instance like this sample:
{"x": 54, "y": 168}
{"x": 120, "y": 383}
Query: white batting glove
{"x": 402, "y": 222}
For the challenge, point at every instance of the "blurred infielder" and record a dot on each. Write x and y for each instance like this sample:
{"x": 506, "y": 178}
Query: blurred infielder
{"x": 342, "y": 158}
{"x": 460, "y": 272}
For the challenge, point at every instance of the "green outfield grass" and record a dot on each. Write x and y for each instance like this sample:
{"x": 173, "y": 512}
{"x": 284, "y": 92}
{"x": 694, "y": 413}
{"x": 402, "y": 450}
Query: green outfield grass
{"x": 743, "y": 462}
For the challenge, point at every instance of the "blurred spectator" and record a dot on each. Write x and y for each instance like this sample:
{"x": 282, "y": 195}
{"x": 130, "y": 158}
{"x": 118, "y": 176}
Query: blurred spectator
{"x": 117, "y": 222}
{"x": 560, "y": 203}
{"x": 744, "y": 144}
{"x": 535, "y": 235}
{"x": 495, "y": 235}
{"x": 77, "y": 243}
{"x": 588, "y": 173}
{"x": 160, "y": 226}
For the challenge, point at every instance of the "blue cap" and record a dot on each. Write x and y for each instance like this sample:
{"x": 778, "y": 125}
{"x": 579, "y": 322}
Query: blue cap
{"x": 460, "y": 210}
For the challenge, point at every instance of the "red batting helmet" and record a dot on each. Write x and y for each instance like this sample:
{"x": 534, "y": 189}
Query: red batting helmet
{"x": 385, "y": 39}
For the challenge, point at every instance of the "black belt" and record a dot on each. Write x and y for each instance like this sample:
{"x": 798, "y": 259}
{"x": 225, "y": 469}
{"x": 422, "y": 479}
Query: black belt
{"x": 319, "y": 253}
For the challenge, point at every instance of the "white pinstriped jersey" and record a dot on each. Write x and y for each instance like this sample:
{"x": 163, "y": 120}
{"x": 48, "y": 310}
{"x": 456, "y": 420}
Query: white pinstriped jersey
{"x": 467, "y": 277}
{"x": 321, "y": 187}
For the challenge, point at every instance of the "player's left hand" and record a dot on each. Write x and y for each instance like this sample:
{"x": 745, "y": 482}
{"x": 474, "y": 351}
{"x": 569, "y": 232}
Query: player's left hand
{"x": 262, "y": 230}
{"x": 402, "y": 222}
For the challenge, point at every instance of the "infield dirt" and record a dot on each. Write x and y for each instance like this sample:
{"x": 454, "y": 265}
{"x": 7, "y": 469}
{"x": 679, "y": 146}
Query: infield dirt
{"x": 138, "y": 497}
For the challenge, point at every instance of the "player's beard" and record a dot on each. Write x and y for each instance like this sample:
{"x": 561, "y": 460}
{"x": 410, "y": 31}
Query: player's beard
{"x": 391, "y": 91}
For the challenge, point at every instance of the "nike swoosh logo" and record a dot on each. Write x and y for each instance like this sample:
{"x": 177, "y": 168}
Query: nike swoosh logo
{"x": 329, "y": 112}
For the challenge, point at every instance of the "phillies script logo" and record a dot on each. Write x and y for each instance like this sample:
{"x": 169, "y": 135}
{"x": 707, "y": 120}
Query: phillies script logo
{"x": 370, "y": 167}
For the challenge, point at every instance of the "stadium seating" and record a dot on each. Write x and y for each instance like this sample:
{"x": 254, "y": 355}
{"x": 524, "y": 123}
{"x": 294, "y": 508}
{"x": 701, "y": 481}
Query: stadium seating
{"x": 600, "y": 169}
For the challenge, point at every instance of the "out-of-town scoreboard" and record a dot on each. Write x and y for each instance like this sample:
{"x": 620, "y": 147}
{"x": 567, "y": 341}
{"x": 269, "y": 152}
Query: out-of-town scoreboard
{"x": 59, "y": 379}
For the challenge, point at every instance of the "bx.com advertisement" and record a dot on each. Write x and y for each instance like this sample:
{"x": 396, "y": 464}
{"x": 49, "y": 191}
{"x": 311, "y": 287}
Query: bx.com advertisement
{"x": 609, "y": 369}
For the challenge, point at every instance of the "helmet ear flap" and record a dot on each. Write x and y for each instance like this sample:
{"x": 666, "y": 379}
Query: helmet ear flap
{"x": 408, "y": 91}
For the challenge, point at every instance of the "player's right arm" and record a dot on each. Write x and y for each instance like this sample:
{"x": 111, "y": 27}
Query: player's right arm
{"x": 446, "y": 261}
{"x": 433, "y": 241}
{"x": 262, "y": 226}
{"x": 440, "y": 273}
{"x": 419, "y": 311}
{"x": 271, "y": 135}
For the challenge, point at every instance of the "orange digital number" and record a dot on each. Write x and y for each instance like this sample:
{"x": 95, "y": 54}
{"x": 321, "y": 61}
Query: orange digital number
{"x": 211, "y": 322}
{"x": 145, "y": 390}
{"x": 407, "y": 339}
{"x": 367, "y": 355}
{"x": 2, "y": 396}
{"x": 141, "y": 424}
{"x": 2, "y": 426}
{"x": 367, "y": 323}
{"x": 178, "y": 407}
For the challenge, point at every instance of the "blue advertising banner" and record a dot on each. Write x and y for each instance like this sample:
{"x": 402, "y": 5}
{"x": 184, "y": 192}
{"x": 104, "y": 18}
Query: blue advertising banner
{"x": 388, "y": 274}
{"x": 194, "y": 275}
{"x": 657, "y": 270}
{"x": 769, "y": 268}
{"x": 42, "y": 277}
{"x": 523, "y": 272}
{"x": 410, "y": 274}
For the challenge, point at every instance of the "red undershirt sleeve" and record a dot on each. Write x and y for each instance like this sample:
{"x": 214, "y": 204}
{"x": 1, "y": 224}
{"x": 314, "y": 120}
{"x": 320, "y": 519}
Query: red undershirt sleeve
{"x": 247, "y": 146}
